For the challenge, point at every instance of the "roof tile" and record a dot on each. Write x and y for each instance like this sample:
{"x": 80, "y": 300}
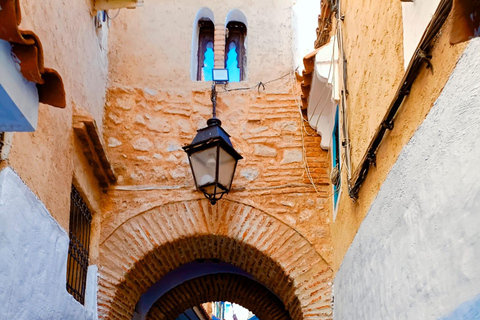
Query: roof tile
{"x": 28, "y": 49}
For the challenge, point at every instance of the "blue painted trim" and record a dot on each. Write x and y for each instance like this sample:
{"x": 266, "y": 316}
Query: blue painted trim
{"x": 469, "y": 310}
{"x": 11, "y": 118}
{"x": 336, "y": 157}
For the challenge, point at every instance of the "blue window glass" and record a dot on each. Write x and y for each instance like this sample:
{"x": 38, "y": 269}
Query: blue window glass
{"x": 205, "y": 50}
{"x": 208, "y": 62}
{"x": 235, "y": 51}
{"x": 232, "y": 63}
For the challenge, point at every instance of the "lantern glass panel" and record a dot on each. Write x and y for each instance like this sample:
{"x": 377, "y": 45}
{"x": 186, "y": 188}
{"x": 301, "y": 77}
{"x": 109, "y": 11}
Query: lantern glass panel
{"x": 204, "y": 165}
{"x": 226, "y": 169}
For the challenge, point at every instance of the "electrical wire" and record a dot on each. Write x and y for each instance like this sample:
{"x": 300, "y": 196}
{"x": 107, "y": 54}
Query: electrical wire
{"x": 116, "y": 15}
{"x": 304, "y": 149}
{"x": 258, "y": 86}
{"x": 262, "y": 85}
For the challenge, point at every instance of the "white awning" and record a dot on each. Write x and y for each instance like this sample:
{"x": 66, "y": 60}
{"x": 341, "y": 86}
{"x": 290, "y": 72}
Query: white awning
{"x": 324, "y": 93}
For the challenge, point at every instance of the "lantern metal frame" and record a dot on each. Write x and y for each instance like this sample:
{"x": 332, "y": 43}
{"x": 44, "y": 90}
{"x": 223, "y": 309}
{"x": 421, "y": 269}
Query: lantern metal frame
{"x": 213, "y": 136}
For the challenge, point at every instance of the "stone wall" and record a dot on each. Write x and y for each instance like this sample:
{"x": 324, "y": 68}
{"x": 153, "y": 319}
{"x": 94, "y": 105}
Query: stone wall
{"x": 149, "y": 245}
{"x": 417, "y": 253}
{"x": 146, "y": 129}
{"x": 154, "y": 108}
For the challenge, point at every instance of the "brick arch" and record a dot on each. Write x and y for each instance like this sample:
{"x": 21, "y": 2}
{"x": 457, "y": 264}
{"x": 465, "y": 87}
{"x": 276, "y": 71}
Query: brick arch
{"x": 219, "y": 287}
{"x": 148, "y": 246}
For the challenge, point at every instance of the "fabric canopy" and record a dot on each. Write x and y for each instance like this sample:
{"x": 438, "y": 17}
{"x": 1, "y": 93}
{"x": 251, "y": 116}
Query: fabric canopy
{"x": 324, "y": 92}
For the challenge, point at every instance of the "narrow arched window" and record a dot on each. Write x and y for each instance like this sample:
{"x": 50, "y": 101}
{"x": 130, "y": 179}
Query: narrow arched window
{"x": 235, "y": 51}
{"x": 206, "y": 30}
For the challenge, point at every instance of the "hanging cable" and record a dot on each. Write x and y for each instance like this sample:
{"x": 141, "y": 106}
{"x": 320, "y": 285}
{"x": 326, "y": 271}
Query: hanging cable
{"x": 116, "y": 15}
{"x": 258, "y": 86}
{"x": 304, "y": 150}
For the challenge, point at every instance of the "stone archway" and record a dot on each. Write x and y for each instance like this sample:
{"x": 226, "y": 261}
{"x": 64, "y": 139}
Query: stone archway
{"x": 148, "y": 246}
{"x": 219, "y": 287}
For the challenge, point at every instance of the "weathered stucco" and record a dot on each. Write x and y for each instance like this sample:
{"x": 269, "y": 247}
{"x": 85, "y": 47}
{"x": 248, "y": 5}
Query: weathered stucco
{"x": 34, "y": 258}
{"x": 417, "y": 253}
{"x": 72, "y": 46}
{"x": 373, "y": 45}
{"x": 151, "y": 47}
{"x": 375, "y": 67}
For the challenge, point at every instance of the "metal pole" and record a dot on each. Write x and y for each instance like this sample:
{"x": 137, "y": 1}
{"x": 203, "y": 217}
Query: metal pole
{"x": 214, "y": 100}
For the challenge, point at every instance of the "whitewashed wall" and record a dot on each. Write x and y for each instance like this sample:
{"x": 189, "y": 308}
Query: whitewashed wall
{"x": 417, "y": 253}
{"x": 33, "y": 258}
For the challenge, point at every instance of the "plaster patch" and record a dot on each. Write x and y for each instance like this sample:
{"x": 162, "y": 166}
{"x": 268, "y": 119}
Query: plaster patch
{"x": 250, "y": 173}
{"x": 159, "y": 124}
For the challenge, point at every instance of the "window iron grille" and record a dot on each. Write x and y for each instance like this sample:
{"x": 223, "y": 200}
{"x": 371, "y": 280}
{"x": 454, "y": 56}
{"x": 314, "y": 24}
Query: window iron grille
{"x": 77, "y": 265}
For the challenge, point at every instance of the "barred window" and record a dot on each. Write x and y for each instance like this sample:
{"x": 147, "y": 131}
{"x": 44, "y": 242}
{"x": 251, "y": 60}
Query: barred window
{"x": 80, "y": 223}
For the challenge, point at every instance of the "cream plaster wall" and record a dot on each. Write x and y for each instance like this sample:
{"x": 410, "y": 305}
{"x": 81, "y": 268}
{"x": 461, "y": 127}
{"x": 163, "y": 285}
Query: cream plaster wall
{"x": 305, "y": 22}
{"x": 416, "y": 17}
{"x": 73, "y": 47}
{"x": 374, "y": 49}
{"x": 151, "y": 46}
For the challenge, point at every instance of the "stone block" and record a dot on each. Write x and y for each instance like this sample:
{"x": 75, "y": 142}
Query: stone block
{"x": 264, "y": 151}
{"x": 142, "y": 144}
{"x": 291, "y": 156}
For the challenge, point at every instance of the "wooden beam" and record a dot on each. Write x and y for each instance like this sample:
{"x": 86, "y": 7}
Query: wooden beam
{"x": 117, "y": 4}
{"x": 86, "y": 131}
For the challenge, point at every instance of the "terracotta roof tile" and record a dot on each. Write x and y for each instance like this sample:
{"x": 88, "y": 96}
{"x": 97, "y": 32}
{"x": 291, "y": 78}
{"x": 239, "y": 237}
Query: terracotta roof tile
{"x": 306, "y": 79}
{"x": 28, "y": 49}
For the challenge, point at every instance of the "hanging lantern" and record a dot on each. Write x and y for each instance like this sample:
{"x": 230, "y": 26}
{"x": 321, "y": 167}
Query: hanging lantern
{"x": 213, "y": 160}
